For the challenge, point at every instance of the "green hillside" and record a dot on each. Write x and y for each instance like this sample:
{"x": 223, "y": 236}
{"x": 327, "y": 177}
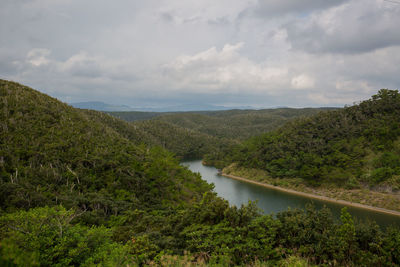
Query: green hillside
{"x": 184, "y": 143}
{"x": 231, "y": 124}
{"x": 192, "y": 135}
{"x": 77, "y": 189}
{"x": 351, "y": 147}
{"x": 134, "y": 115}
{"x": 74, "y": 151}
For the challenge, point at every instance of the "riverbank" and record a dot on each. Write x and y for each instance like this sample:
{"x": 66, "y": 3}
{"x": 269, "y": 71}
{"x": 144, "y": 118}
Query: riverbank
{"x": 356, "y": 196}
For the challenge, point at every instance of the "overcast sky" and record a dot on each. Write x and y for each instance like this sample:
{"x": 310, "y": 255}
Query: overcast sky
{"x": 263, "y": 53}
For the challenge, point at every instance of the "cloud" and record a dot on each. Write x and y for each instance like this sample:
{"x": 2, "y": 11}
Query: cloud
{"x": 83, "y": 65}
{"x": 255, "y": 52}
{"x": 223, "y": 71}
{"x": 38, "y": 56}
{"x": 267, "y": 8}
{"x": 358, "y": 26}
{"x": 302, "y": 81}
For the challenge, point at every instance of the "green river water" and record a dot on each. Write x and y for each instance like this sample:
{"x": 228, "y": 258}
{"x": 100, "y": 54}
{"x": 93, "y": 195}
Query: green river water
{"x": 273, "y": 201}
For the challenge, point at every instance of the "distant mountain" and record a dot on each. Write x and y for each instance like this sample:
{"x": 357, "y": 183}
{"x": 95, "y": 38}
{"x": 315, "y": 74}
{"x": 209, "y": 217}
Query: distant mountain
{"x": 101, "y": 106}
{"x": 189, "y": 107}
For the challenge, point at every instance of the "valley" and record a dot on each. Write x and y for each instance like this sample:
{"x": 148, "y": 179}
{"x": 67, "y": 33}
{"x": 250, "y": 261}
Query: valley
{"x": 82, "y": 187}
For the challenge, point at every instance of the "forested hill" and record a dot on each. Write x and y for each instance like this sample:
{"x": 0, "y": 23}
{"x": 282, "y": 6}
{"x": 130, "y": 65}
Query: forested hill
{"x": 192, "y": 135}
{"x": 231, "y": 124}
{"x": 54, "y": 154}
{"x": 352, "y": 146}
{"x": 77, "y": 190}
{"x": 184, "y": 143}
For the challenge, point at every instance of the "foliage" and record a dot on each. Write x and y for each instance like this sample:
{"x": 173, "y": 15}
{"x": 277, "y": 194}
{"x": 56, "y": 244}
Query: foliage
{"x": 192, "y": 135}
{"x": 45, "y": 236}
{"x": 134, "y": 115}
{"x": 231, "y": 124}
{"x": 184, "y": 143}
{"x": 79, "y": 189}
{"x": 358, "y": 144}
{"x": 54, "y": 154}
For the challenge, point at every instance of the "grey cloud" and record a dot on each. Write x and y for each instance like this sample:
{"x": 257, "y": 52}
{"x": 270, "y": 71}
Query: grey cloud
{"x": 279, "y": 7}
{"x": 87, "y": 72}
{"x": 7, "y": 68}
{"x": 8, "y": 63}
{"x": 86, "y": 68}
{"x": 219, "y": 21}
{"x": 66, "y": 26}
{"x": 170, "y": 17}
{"x": 153, "y": 52}
{"x": 359, "y": 27}
{"x": 167, "y": 17}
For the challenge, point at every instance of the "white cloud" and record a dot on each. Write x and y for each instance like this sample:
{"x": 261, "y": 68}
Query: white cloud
{"x": 303, "y": 81}
{"x": 38, "y": 56}
{"x": 324, "y": 99}
{"x": 354, "y": 86}
{"x": 224, "y": 71}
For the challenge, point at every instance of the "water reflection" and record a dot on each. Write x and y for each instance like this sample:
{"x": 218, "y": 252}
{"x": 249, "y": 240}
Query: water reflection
{"x": 273, "y": 201}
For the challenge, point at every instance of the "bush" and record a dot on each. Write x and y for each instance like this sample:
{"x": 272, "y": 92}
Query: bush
{"x": 381, "y": 174}
{"x": 46, "y": 237}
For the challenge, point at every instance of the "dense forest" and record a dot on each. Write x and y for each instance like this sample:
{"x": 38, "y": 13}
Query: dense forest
{"x": 352, "y": 147}
{"x": 135, "y": 115}
{"x": 184, "y": 143}
{"x": 231, "y": 124}
{"x": 192, "y": 135}
{"x": 82, "y": 188}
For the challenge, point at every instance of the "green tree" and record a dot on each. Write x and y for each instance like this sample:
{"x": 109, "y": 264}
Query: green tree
{"x": 46, "y": 237}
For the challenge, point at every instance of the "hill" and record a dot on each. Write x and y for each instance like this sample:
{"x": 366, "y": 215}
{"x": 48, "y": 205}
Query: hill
{"x": 184, "y": 143}
{"x": 135, "y": 115}
{"x": 231, "y": 124}
{"x": 100, "y": 106}
{"x": 77, "y": 190}
{"x": 190, "y": 107}
{"x": 351, "y": 147}
{"x": 75, "y": 151}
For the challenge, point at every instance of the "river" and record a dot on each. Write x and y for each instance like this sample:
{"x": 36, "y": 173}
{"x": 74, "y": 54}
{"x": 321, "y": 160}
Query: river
{"x": 273, "y": 201}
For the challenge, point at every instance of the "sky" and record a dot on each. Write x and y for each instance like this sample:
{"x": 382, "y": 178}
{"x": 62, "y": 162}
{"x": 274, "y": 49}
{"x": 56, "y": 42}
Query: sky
{"x": 156, "y": 53}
